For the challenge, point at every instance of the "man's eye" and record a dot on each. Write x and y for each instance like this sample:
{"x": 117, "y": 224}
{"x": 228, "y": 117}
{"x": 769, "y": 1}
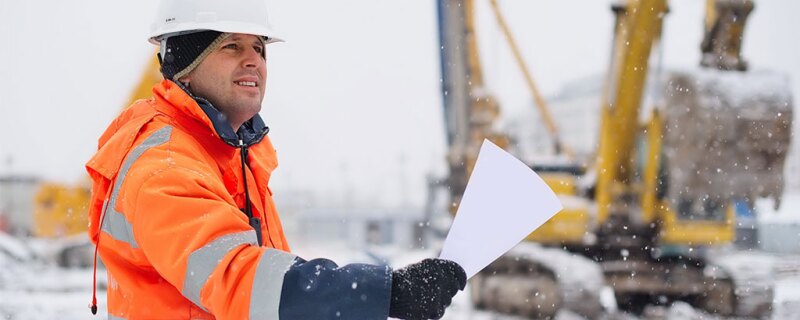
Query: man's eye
{"x": 259, "y": 49}
{"x": 231, "y": 46}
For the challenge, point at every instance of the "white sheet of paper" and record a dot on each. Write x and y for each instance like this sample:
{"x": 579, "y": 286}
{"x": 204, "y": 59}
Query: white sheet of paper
{"x": 504, "y": 202}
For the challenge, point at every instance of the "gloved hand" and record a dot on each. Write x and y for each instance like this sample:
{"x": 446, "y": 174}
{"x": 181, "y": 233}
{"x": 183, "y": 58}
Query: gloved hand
{"x": 424, "y": 289}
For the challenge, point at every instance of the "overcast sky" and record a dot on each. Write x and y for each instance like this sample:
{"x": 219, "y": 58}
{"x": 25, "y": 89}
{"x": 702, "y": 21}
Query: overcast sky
{"x": 353, "y": 96}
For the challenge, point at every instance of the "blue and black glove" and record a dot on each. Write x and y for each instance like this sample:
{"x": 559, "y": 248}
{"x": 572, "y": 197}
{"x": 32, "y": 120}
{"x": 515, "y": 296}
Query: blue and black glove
{"x": 424, "y": 289}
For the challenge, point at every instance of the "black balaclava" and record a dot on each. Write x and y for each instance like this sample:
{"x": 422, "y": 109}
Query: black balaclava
{"x": 184, "y": 52}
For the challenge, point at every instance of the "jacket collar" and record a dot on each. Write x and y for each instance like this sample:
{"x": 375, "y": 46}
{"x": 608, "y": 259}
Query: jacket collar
{"x": 175, "y": 94}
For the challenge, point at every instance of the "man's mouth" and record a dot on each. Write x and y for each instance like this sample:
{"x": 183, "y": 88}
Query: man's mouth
{"x": 247, "y": 83}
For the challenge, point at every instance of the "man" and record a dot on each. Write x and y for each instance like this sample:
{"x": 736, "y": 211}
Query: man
{"x": 181, "y": 211}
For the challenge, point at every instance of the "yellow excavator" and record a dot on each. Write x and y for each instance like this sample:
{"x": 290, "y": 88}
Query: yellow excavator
{"x": 665, "y": 177}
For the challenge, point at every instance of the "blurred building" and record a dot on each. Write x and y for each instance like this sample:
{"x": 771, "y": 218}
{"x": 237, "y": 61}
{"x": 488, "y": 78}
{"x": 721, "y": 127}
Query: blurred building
{"x": 779, "y": 229}
{"x": 290, "y": 203}
{"x": 16, "y": 203}
{"x": 357, "y": 227}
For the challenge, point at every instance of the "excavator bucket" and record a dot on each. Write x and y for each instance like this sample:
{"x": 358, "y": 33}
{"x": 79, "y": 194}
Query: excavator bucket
{"x": 726, "y": 137}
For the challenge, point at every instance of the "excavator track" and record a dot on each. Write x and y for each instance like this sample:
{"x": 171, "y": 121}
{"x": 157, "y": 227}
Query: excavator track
{"x": 535, "y": 282}
{"x": 751, "y": 281}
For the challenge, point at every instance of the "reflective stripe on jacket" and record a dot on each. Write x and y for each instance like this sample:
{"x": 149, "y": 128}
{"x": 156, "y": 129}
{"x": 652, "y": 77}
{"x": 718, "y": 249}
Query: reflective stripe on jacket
{"x": 166, "y": 216}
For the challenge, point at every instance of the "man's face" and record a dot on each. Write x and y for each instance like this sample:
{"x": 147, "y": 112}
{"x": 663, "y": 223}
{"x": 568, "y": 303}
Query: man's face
{"x": 232, "y": 77}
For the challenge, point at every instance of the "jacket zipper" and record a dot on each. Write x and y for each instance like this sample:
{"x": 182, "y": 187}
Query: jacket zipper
{"x": 255, "y": 222}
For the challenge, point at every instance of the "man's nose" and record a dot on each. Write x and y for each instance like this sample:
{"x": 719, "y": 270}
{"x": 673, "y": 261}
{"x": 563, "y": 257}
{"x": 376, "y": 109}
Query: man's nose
{"x": 253, "y": 58}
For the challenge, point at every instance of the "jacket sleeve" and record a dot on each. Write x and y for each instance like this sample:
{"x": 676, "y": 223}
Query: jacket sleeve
{"x": 319, "y": 289}
{"x": 194, "y": 236}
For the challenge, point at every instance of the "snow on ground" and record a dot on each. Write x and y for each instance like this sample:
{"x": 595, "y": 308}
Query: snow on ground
{"x": 33, "y": 289}
{"x": 787, "y": 298}
{"x": 46, "y": 292}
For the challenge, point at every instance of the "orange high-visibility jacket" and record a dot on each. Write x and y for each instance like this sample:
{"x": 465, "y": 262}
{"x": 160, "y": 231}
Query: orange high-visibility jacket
{"x": 167, "y": 217}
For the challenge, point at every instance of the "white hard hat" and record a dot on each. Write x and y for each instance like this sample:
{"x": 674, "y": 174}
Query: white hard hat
{"x": 177, "y": 17}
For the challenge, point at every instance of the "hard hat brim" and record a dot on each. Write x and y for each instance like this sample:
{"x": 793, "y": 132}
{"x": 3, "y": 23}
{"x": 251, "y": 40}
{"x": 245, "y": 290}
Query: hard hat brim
{"x": 269, "y": 34}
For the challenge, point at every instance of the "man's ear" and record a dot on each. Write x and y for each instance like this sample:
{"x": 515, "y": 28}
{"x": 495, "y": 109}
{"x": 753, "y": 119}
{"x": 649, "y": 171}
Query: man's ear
{"x": 185, "y": 79}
